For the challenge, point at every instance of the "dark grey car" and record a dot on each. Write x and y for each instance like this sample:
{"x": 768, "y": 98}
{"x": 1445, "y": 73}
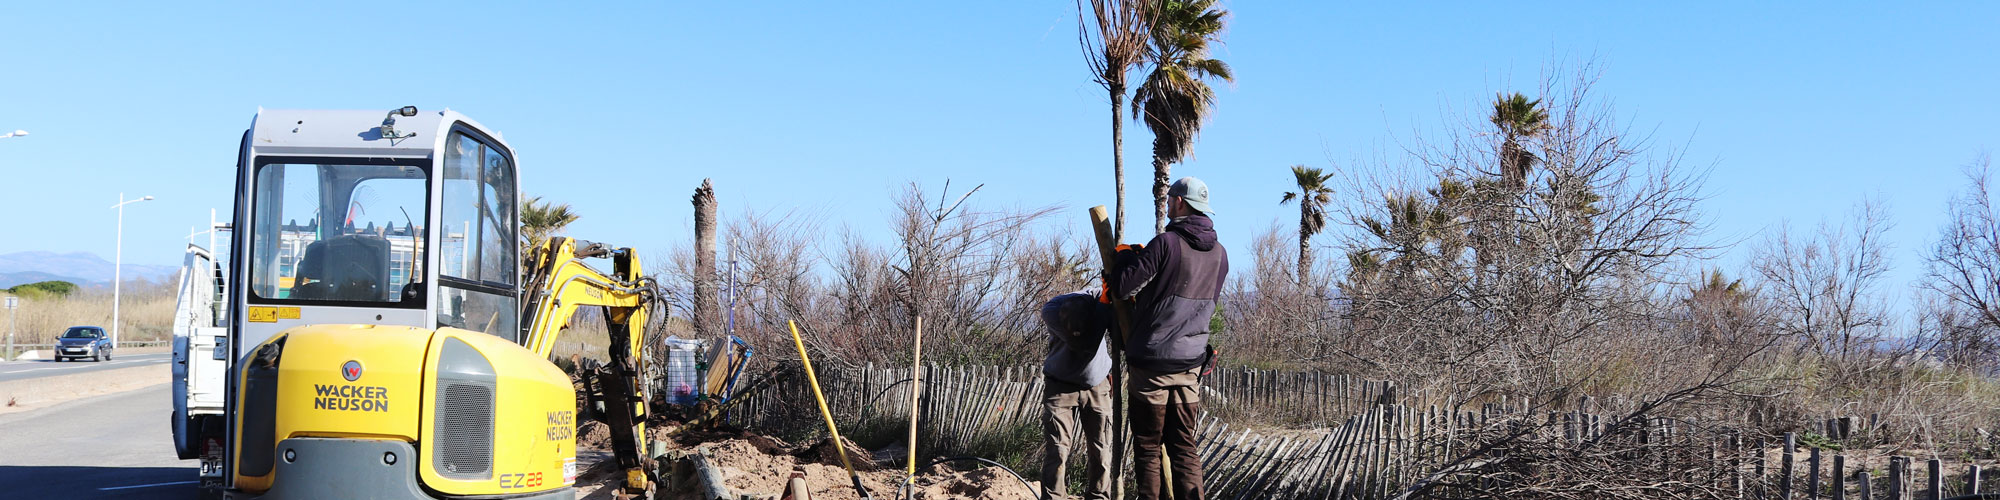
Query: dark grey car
{"x": 84, "y": 342}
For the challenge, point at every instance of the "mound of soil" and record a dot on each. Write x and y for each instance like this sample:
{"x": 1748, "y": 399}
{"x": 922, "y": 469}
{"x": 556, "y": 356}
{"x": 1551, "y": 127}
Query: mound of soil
{"x": 593, "y": 435}
{"x": 748, "y": 469}
{"x": 825, "y": 453}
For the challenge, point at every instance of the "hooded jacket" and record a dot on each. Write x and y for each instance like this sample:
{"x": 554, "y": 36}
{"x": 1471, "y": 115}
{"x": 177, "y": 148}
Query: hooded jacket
{"x": 1077, "y": 350}
{"x": 1175, "y": 280}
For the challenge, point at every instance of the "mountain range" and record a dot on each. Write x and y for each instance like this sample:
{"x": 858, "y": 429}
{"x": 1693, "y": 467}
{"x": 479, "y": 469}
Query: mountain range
{"x": 82, "y": 268}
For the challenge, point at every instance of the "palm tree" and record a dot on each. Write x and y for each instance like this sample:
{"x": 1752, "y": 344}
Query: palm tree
{"x": 1518, "y": 119}
{"x": 1313, "y": 195}
{"x": 1175, "y": 99}
{"x": 707, "y": 303}
{"x": 1113, "y": 41}
{"x": 541, "y": 220}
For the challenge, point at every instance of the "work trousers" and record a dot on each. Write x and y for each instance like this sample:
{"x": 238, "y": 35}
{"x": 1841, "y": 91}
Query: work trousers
{"x": 1165, "y": 408}
{"x": 1066, "y": 406}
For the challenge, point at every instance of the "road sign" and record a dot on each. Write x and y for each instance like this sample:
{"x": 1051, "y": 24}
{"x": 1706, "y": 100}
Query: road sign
{"x": 13, "y": 302}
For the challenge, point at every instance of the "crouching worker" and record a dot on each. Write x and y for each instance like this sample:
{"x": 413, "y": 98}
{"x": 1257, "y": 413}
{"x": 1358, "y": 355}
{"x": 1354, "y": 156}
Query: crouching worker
{"x": 1076, "y": 395}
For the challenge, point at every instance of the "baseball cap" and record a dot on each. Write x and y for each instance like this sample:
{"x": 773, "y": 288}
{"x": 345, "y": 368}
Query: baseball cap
{"x": 1194, "y": 191}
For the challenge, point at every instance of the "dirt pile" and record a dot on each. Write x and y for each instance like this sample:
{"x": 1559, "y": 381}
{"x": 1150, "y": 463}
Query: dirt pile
{"x": 824, "y": 453}
{"x": 759, "y": 465}
{"x": 593, "y": 435}
{"x": 749, "y": 469}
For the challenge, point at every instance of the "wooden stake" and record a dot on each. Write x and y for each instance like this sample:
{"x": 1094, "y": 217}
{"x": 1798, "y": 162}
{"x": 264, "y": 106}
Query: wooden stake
{"x": 916, "y": 378}
{"x": 1107, "y": 250}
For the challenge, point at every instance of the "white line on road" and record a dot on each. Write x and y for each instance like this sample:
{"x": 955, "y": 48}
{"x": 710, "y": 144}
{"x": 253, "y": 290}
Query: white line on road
{"x": 146, "y": 485}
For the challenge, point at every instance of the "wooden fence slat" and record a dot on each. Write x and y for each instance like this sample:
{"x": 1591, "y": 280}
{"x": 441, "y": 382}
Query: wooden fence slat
{"x": 1785, "y": 466}
{"x": 1840, "y": 477}
{"x": 1972, "y": 480}
{"x": 1934, "y": 478}
{"x": 1812, "y": 478}
{"x": 1897, "y": 474}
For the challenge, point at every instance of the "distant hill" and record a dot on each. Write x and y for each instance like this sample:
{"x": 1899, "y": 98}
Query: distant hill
{"x": 82, "y": 268}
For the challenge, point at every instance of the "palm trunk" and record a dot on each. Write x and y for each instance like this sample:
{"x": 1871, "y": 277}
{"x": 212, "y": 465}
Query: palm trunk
{"x": 1305, "y": 245}
{"x": 707, "y": 308}
{"x": 1118, "y": 155}
{"x": 1118, "y": 415}
{"x": 1160, "y": 175}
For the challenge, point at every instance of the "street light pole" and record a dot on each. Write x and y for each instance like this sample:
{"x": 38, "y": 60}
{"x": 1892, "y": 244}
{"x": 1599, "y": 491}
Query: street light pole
{"x": 12, "y": 304}
{"x": 118, "y": 263}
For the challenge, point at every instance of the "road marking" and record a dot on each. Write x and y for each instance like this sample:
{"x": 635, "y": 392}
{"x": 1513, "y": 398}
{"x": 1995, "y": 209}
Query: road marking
{"x": 147, "y": 485}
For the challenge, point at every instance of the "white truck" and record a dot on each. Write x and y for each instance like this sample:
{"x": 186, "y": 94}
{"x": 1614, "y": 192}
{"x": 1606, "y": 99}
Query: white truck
{"x": 201, "y": 364}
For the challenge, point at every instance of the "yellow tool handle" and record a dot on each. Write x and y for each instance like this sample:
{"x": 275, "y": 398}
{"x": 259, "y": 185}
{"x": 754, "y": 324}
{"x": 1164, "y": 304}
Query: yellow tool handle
{"x": 823, "y": 411}
{"x": 916, "y": 381}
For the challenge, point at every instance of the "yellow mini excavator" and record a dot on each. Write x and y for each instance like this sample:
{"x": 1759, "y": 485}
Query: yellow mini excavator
{"x": 383, "y": 339}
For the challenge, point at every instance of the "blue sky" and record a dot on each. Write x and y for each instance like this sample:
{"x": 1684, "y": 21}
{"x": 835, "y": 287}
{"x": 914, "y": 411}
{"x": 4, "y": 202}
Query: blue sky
{"x": 1800, "y": 109}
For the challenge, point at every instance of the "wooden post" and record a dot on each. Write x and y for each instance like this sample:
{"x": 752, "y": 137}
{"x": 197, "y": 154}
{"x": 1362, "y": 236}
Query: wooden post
{"x": 1757, "y": 486}
{"x": 1107, "y": 250}
{"x": 1785, "y": 466}
{"x": 1867, "y": 490}
{"x": 1812, "y": 480}
{"x": 1840, "y": 477}
{"x": 1896, "y": 478}
{"x": 1972, "y": 480}
{"x": 1736, "y": 463}
{"x": 916, "y": 365}
{"x": 1934, "y": 477}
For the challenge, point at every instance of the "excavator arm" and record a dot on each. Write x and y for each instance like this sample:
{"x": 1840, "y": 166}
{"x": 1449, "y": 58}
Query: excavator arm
{"x": 558, "y": 284}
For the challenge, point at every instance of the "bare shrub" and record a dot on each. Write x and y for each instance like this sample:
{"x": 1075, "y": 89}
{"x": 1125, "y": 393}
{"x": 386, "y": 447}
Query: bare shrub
{"x": 1827, "y": 288}
{"x": 1529, "y": 287}
{"x": 1274, "y": 320}
{"x": 977, "y": 276}
{"x": 1963, "y": 271}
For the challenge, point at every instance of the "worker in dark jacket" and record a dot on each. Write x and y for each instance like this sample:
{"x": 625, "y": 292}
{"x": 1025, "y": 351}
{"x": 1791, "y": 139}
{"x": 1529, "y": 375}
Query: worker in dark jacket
{"x": 1076, "y": 394}
{"x": 1175, "y": 281}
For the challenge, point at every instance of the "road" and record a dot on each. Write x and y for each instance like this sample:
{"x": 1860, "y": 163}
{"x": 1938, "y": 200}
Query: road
{"x": 16, "y": 370}
{"x": 111, "y": 446}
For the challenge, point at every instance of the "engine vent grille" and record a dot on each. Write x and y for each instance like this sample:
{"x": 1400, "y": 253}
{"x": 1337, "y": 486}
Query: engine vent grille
{"x": 462, "y": 422}
{"x": 465, "y": 430}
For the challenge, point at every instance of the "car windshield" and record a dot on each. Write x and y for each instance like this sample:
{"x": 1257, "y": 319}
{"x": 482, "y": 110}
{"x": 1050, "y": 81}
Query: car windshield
{"x": 80, "y": 333}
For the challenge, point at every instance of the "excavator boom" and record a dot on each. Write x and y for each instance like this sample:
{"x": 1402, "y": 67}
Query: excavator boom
{"x": 558, "y": 284}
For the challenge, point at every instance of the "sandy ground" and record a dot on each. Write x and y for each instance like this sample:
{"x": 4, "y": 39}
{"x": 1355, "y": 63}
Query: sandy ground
{"x": 749, "y": 469}
{"x": 760, "y": 466}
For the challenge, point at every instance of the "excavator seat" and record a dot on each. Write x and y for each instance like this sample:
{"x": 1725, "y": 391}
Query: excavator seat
{"x": 352, "y": 267}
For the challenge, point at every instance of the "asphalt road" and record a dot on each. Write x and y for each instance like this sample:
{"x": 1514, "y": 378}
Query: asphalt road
{"x": 110, "y": 446}
{"x": 16, "y": 370}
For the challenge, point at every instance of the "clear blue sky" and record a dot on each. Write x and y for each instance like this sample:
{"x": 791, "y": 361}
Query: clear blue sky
{"x": 1801, "y": 109}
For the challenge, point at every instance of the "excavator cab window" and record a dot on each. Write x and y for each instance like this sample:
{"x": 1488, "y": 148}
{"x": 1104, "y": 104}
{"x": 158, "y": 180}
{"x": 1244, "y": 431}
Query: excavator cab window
{"x": 338, "y": 231}
{"x": 479, "y": 267}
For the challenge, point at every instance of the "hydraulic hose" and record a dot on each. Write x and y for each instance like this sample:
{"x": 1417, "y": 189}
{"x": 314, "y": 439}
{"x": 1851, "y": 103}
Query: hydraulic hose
{"x": 1017, "y": 476}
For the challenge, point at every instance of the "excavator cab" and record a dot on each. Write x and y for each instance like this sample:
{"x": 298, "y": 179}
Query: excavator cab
{"x": 375, "y": 316}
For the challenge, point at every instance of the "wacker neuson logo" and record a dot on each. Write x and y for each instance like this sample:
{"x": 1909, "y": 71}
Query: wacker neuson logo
{"x": 348, "y": 397}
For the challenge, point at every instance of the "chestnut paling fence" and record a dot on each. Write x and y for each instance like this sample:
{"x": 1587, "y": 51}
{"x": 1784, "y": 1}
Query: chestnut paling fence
{"x": 1304, "y": 434}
